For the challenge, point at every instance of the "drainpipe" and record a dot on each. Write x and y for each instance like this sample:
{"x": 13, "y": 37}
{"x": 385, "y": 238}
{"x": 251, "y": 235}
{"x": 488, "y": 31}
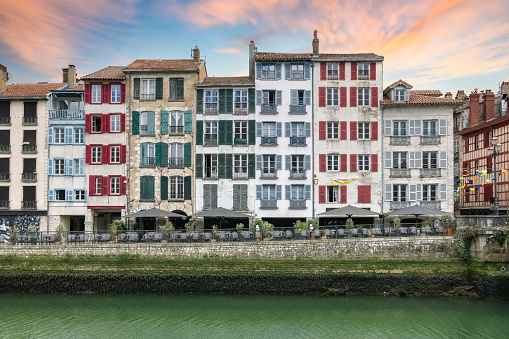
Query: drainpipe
{"x": 50, "y": 99}
{"x": 382, "y": 163}
{"x": 313, "y": 137}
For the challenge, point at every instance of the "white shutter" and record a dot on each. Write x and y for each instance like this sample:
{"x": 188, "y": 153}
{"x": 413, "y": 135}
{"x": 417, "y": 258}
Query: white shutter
{"x": 418, "y": 125}
{"x": 443, "y": 160}
{"x": 388, "y": 127}
{"x": 51, "y": 133}
{"x": 443, "y": 127}
{"x": 411, "y": 127}
{"x": 51, "y": 166}
{"x": 407, "y": 94}
{"x": 294, "y": 95}
{"x": 419, "y": 192}
{"x": 388, "y": 192}
{"x": 51, "y": 195}
{"x": 413, "y": 192}
{"x": 443, "y": 191}
{"x": 418, "y": 159}
{"x": 388, "y": 160}
{"x": 411, "y": 163}
{"x": 279, "y": 162}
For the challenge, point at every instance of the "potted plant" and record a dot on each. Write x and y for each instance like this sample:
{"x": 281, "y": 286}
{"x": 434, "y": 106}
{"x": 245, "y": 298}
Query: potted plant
{"x": 424, "y": 223}
{"x": 448, "y": 223}
{"x": 115, "y": 227}
{"x": 190, "y": 226}
{"x": 166, "y": 230}
{"x": 349, "y": 225}
{"x": 60, "y": 234}
{"x": 32, "y": 233}
{"x": 215, "y": 233}
{"x": 299, "y": 227}
{"x": 13, "y": 234}
{"x": 359, "y": 230}
{"x": 266, "y": 230}
{"x": 396, "y": 226}
{"x": 239, "y": 227}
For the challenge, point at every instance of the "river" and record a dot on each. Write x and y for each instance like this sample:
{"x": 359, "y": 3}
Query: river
{"x": 249, "y": 316}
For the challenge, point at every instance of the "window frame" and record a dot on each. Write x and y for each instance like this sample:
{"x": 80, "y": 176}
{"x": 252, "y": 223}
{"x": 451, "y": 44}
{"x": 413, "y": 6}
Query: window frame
{"x": 399, "y": 192}
{"x": 240, "y": 99}
{"x": 270, "y": 72}
{"x": 332, "y": 192}
{"x": 363, "y": 96}
{"x": 211, "y": 101}
{"x": 332, "y": 97}
{"x": 297, "y": 163}
{"x": 430, "y": 160}
{"x": 94, "y": 118}
{"x": 96, "y": 155}
{"x": 114, "y": 185}
{"x": 60, "y": 193}
{"x": 333, "y": 129}
{"x": 175, "y": 86}
{"x": 399, "y": 94}
{"x": 148, "y": 89}
{"x": 400, "y": 160}
{"x": 363, "y": 71}
{"x": 397, "y": 126}
{"x": 213, "y": 168}
{"x": 80, "y": 195}
{"x": 332, "y": 71}
{"x": 96, "y": 93}
{"x": 79, "y": 135}
{"x": 115, "y": 152}
{"x": 430, "y": 192}
{"x": 428, "y": 126}
{"x": 59, "y": 137}
{"x": 269, "y": 192}
{"x": 363, "y": 131}
{"x": 240, "y": 164}
{"x": 59, "y": 167}
{"x": 269, "y": 164}
{"x": 268, "y": 97}
{"x": 363, "y": 162}
{"x": 333, "y": 162}
{"x": 115, "y": 120}
{"x": 115, "y": 94}
{"x": 175, "y": 187}
{"x": 98, "y": 185}
{"x": 297, "y": 74}
{"x": 240, "y": 129}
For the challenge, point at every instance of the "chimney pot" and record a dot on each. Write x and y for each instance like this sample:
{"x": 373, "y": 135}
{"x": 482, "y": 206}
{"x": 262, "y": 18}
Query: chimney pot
{"x": 473, "y": 116}
{"x": 448, "y": 95}
{"x": 316, "y": 43}
{"x": 489, "y": 104}
{"x": 196, "y": 54}
{"x": 4, "y": 76}
{"x": 252, "y": 52}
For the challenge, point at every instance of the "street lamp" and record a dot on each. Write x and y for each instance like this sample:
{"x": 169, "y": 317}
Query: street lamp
{"x": 494, "y": 150}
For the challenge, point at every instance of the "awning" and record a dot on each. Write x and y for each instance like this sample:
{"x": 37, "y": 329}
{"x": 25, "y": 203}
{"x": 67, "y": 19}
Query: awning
{"x": 154, "y": 213}
{"x": 348, "y": 211}
{"x": 416, "y": 210}
{"x": 220, "y": 213}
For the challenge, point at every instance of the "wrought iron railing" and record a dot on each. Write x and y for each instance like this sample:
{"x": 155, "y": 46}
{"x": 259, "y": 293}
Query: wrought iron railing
{"x": 268, "y": 109}
{"x": 176, "y": 129}
{"x": 5, "y": 177}
{"x": 29, "y": 205}
{"x": 29, "y": 121}
{"x": 400, "y": 140}
{"x": 297, "y": 108}
{"x": 430, "y": 140}
{"x": 297, "y": 140}
{"x": 269, "y": 141}
{"x": 268, "y": 174}
{"x": 4, "y": 204}
{"x": 399, "y": 204}
{"x": 30, "y": 148}
{"x": 272, "y": 203}
{"x": 400, "y": 173}
{"x": 298, "y": 203}
{"x": 210, "y": 140}
{"x": 29, "y": 177}
{"x": 4, "y": 149}
{"x": 297, "y": 174}
{"x": 176, "y": 162}
{"x": 5, "y": 120}
{"x": 66, "y": 114}
{"x": 430, "y": 172}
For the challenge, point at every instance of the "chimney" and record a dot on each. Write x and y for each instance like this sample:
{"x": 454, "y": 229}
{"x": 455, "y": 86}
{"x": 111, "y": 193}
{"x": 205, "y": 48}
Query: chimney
{"x": 196, "y": 54}
{"x": 489, "y": 105}
{"x": 69, "y": 76}
{"x": 504, "y": 89}
{"x": 315, "y": 43}
{"x": 4, "y": 76}
{"x": 473, "y": 117}
{"x": 252, "y": 52}
{"x": 460, "y": 95}
{"x": 448, "y": 95}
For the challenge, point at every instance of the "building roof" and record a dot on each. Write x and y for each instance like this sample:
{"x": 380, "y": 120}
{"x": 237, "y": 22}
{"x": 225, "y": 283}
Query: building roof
{"x": 261, "y": 56}
{"x": 108, "y": 73}
{"x": 29, "y": 90}
{"x": 226, "y": 81}
{"x": 485, "y": 125}
{"x": 396, "y": 83}
{"x": 152, "y": 64}
{"x": 427, "y": 92}
{"x": 417, "y": 99}
{"x": 269, "y": 56}
{"x": 350, "y": 56}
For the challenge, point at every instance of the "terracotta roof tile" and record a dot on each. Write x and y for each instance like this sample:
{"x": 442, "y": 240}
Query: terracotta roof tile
{"x": 29, "y": 90}
{"x": 108, "y": 73}
{"x": 351, "y": 56}
{"x": 416, "y": 99}
{"x": 176, "y": 64}
{"x": 396, "y": 83}
{"x": 427, "y": 92}
{"x": 261, "y": 56}
{"x": 225, "y": 81}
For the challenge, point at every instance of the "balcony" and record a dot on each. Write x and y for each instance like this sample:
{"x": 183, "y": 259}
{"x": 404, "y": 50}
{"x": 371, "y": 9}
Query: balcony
{"x": 400, "y": 173}
{"x": 5, "y": 177}
{"x": 268, "y": 175}
{"x": 396, "y": 205}
{"x": 272, "y": 203}
{"x": 29, "y": 177}
{"x": 29, "y": 149}
{"x": 147, "y": 96}
{"x": 30, "y": 121}
{"x": 176, "y": 162}
{"x": 211, "y": 108}
{"x": 297, "y": 174}
{"x": 29, "y": 205}
{"x": 239, "y": 141}
{"x": 269, "y": 141}
{"x": 400, "y": 140}
{"x": 430, "y": 140}
{"x": 210, "y": 173}
{"x": 430, "y": 173}
{"x": 332, "y": 75}
{"x": 298, "y": 141}
{"x": 5, "y": 149}
{"x": 210, "y": 140}
{"x": 176, "y": 196}
{"x": 298, "y": 204}
{"x": 4, "y": 204}
{"x": 268, "y": 109}
{"x": 5, "y": 120}
{"x": 176, "y": 129}
{"x": 297, "y": 109}
{"x": 363, "y": 76}
{"x": 240, "y": 110}
{"x": 436, "y": 205}
{"x": 66, "y": 114}
{"x": 240, "y": 175}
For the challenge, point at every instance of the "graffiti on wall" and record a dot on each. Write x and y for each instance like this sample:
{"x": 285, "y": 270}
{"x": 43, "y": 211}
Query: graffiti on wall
{"x": 20, "y": 221}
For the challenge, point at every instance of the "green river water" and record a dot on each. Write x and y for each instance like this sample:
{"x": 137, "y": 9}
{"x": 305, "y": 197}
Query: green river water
{"x": 248, "y": 316}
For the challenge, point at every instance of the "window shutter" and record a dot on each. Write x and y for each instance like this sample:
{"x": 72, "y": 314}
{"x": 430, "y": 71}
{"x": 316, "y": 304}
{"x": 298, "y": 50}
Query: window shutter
{"x": 51, "y": 166}
{"x": 151, "y": 188}
{"x": 135, "y": 128}
{"x": 279, "y": 162}
{"x": 199, "y": 166}
{"x": 443, "y": 160}
{"x": 259, "y": 97}
{"x": 221, "y": 161}
{"x": 443, "y": 192}
{"x": 164, "y": 187}
{"x": 105, "y": 153}
{"x": 251, "y": 163}
{"x": 88, "y": 93}
{"x": 81, "y": 166}
{"x": 251, "y": 124}
{"x": 258, "y": 192}
{"x": 372, "y": 71}
{"x": 91, "y": 185}
{"x": 388, "y": 160}
{"x": 278, "y": 192}
{"x": 419, "y": 192}
{"x": 236, "y": 197}
{"x": 158, "y": 154}
{"x": 188, "y": 122}
{"x": 322, "y": 97}
{"x": 159, "y": 88}
{"x": 122, "y": 122}
{"x": 106, "y": 94}
{"x": 411, "y": 127}
{"x": 374, "y": 96}
{"x": 374, "y": 130}
{"x": 307, "y": 71}
{"x": 353, "y": 96}
{"x": 288, "y": 162}
{"x": 123, "y": 185}
{"x": 343, "y": 130}
{"x": 164, "y": 154}
{"x": 151, "y": 119}
{"x": 307, "y": 189}
{"x": 199, "y": 132}
{"x": 187, "y": 187}
{"x": 278, "y": 71}
{"x": 322, "y": 130}
{"x": 488, "y": 192}
{"x": 322, "y": 160}
{"x": 122, "y": 93}
{"x": 287, "y": 129}
{"x": 206, "y": 197}
{"x": 307, "y": 162}
{"x": 443, "y": 127}
{"x": 354, "y": 70}
{"x": 251, "y": 98}
{"x": 199, "y": 101}
{"x": 123, "y": 152}
{"x": 418, "y": 159}
{"x": 307, "y": 97}
{"x": 143, "y": 154}
{"x": 353, "y": 162}
{"x": 374, "y": 162}
{"x": 323, "y": 71}
{"x": 258, "y": 71}
{"x": 69, "y": 195}
{"x": 364, "y": 194}
{"x": 411, "y": 163}
{"x": 51, "y": 195}
{"x": 413, "y": 192}
{"x": 88, "y": 154}
{"x": 307, "y": 126}
{"x": 222, "y": 101}
{"x": 294, "y": 97}
{"x": 51, "y": 133}
{"x": 229, "y": 101}
{"x": 136, "y": 88}
{"x": 321, "y": 194}
{"x": 105, "y": 123}
{"x": 279, "y": 98}
{"x": 164, "y": 122}
{"x": 287, "y": 192}
{"x": 388, "y": 192}
{"x": 229, "y": 132}
{"x": 342, "y": 97}
{"x": 259, "y": 162}
{"x": 69, "y": 166}
{"x": 279, "y": 132}
{"x": 489, "y": 164}
{"x": 353, "y": 130}
{"x": 68, "y": 135}
{"x": 106, "y": 186}
{"x": 342, "y": 70}
{"x": 343, "y": 162}
{"x": 259, "y": 129}
{"x": 418, "y": 127}
{"x": 388, "y": 127}
{"x": 465, "y": 142}
{"x": 187, "y": 154}
{"x": 288, "y": 69}
{"x": 342, "y": 194}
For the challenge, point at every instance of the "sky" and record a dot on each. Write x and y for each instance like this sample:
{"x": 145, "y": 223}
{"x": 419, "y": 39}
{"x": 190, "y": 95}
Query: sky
{"x": 432, "y": 44}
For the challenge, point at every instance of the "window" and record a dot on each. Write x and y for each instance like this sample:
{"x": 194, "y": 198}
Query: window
{"x": 59, "y": 136}
{"x": 210, "y": 167}
{"x": 176, "y": 122}
{"x": 333, "y": 130}
{"x": 209, "y": 197}
{"x": 269, "y": 164}
{"x": 429, "y": 160}
{"x": 176, "y": 188}
{"x": 241, "y": 100}
{"x": 332, "y": 194}
{"x": 115, "y": 185}
{"x": 176, "y": 154}
{"x": 268, "y": 71}
{"x": 363, "y": 96}
{"x": 115, "y": 94}
{"x": 176, "y": 89}
{"x": 363, "y": 162}
{"x": 79, "y": 135}
{"x": 148, "y": 89}
{"x": 96, "y": 154}
{"x": 147, "y": 188}
{"x": 96, "y": 94}
{"x": 297, "y": 164}
{"x": 297, "y": 97}
{"x": 298, "y": 129}
{"x": 96, "y": 124}
{"x": 240, "y": 197}
{"x": 98, "y": 185}
{"x": 150, "y": 154}
{"x": 59, "y": 166}
{"x": 115, "y": 154}
{"x": 429, "y": 127}
{"x": 297, "y": 71}
{"x": 269, "y": 98}
{"x": 363, "y": 130}
{"x": 363, "y": 71}
{"x": 79, "y": 195}
{"x": 240, "y": 132}
{"x": 429, "y": 192}
{"x": 240, "y": 166}
{"x": 399, "y": 95}
{"x": 79, "y": 166}
{"x": 210, "y": 133}
{"x": 399, "y": 159}
{"x": 332, "y": 96}
{"x": 269, "y": 192}
{"x": 269, "y": 129}
{"x": 297, "y": 192}
{"x": 333, "y": 162}
{"x": 211, "y": 101}
{"x": 332, "y": 71}
{"x": 115, "y": 123}
{"x": 59, "y": 195}
{"x": 399, "y": 193}
{"x": 399, "y": 128}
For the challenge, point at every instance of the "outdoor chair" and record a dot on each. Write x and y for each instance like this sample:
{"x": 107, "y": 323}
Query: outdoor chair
{"x": 439, "y": 230}
{"x": 222, "y": 236}
{"x": 412, "y": 231}
{"x": 71, "y": 238}
{"x": 183, "y": 237}
{"x": 196, "y": 236}
{"x": 427, "y": 230}
{"x": 90, "y": 237}
{"x": 81, "y": 238}
{"x": 376, "y": 231}
{"x": 105, "y": 237}
{"x": 365, "y": 232}
{"x": 355, "y": 233}
{"x": 158, "y": 237}
{"x": 304, "y": 234}
{"x": 207, "y": 236}
{"x": 147, "y": 237}
{"x": 235, "y": 236}
{"x": 278, "y": 235}
{"x": 246, "y": 235}
{"x": 2, "y": 238}
{"x": 317, "y": 233}
{"x": 134, "y": 237}
{"x": 403, "y": 231}
{"x": 121, "y": 237}
{"x": 341, "y": 233}
{"x": 174, "y": 237}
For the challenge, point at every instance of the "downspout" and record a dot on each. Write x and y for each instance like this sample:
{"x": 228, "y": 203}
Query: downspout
{"x": 50, "y": 99}
{"x": 313, "y": 137}
{"x": 382, "y": 156}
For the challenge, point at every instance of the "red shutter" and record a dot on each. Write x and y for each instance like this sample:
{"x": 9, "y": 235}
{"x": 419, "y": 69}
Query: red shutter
{"x": 343, "y": 162}
{"x": 105, "y": 123}
{"x": 489, "y": 164}
{"x": 322, "y": 130}
{"x": 321, "y": 194}
{"x": 374, "y": 96}
{"x": 342, "y": 70}
{"x": 122, "y": 154}
{"x": 342, "y": 96}
{"x": 374, "y": 162}
{"x": 88, "y": 154}
{"x": 321, "y": 97}
{"x": 374, "y": 130}
{"x": 465, "y": 140}
{"x": 106, "y": 93}
{"x": 486, "y": 139}
{"x": 353, "y": 96}
{"x": 353, "y": 130}
{"x": 342, "y": 128}
{"x": 488, "y": 192}
{"x": 322, "y": 160}
{"x": 122, "y": 122}
{"x": 323, "y": 70}
{"x": 353, "y": 162}
{"x": 342, "y": 194}
{"x": 88, "y": 93}
{"x": 372, "y": 71}
{"x": 88, "y": 123}
{"x": 91, "y": 185}
{"x": 106, "y": 186}
{"x": 354, "y": 70}
{"x": 364, "y": 194}
{"x": 122, "y": 93}
{"x": 105, "y": 152}
{"x": 123, "y": 185}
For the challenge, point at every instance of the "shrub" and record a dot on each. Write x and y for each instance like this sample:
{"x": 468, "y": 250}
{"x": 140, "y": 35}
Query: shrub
{"x": 167, "y": 229}
{"x": 266, "y": 229}
{"x": 60, "y": 232}
{"x": 447, "y": 220}
{"x": 349, "y": 224}
{"x": 239, "y": 227}
{"x": 116, "y": 226}
{"x": 463, "y": 241}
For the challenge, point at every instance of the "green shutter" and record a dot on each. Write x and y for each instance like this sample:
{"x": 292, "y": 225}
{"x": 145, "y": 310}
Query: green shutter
{"x": 136, "y": 89}
{"x": 221, "y": 131}
{"x": 229, "y": 166}
{"x": 147, "y": 188}
{"x": 229, "y": 132}
{"x": 251, "y": 162}
{"x": 187, "y": 188}
{"x": 222, "y": 101}
{"x": 222, "y": 166}
{"x": 199, "y": 101}
{"x": 251, "y": 100}
{"x": 187, "y": 154}
{"x": 158, "y": 153}
{"x": 236, "y": 197}
{"x": 251, "y": 132}
{"x": 151, "y": 121}
{"x": 188, "y": 122}
{"x": 164, "y": 122}
{"x": 159, "y": 88}
{"x": 151, "y": 191}
{"x": 164, "y": 154}
{"x": 199, "y": 132}
{"x": 143, "y": 154}
{"x": 135, "y": 126}
{"x": 199, "y": 166}
{"x": 143, "y": 188}
{"x": 229, "y": 101}
{"x": 164, "y": 188}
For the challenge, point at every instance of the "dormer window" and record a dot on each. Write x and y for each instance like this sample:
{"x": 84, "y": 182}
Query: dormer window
{"x": 399, "y": 94}
{"x": 268, "y": 71}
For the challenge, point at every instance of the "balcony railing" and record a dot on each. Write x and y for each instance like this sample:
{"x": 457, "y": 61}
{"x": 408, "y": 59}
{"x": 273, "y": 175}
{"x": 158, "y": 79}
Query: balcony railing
{"x": 363, "y": 77}
{"x": 297, "y": 174}
{"x": 240, "y": 110}
{"x": 176, "y": 129}
{"x": 5, "y": 177}
{"x": 28, "y": 177}
{"x": 29, "y": 149}
{"x": 240, "y": 175}
{"x": 297, "y": 75}
{"x": 176, "y": 196}
{"x": 29, "y": 205}
{"x": 5, "y": 120}
{"x": 210, "y": 172}
{"x": 29, "y": 121}
{"x": 399, "y": 204}
{"x": 210, "y": 140}
{"x": 332, "y": 76}
{"x": 300, "y": 203}
{"x": 211, "y": 108}
{"x": 430, "y": 140}
{"x": 4, "y": 204}
{"x": 144, "y": 130}
{"x": 269, "y": 175}
{"x": 268, "y": 109}
{"x": 268, "y": 75}
{"x": 66, "y": 114}
{"x": 430, "y": 172}
{"x": 147, "y": 96}
{"x": 5, "y": 149}
{"x": 269, "y": 141}
{"x": 268, "y": 203}
{"x": 400, "y": 173}
{"x": 176, "y": 162}
{"x": 297, "y": 140}
{"x": 436, "y": 205}
{"x": 299, "y": 109}
{"x": 400, "y": 140}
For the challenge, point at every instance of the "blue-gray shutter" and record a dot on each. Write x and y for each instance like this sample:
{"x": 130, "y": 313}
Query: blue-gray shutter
{"x": 82, "y": 166}
{"x": 258, "y": 129}
{"x": 258, "y": 192}
{"x": 308, "y": 129}
{"x": 288, "y": 68}
{"x": 151, "y": 121}
{"x": 278, "y": 71}
{"x": 51, "y": 166}
{"x": 143, "y": 154}
{"x": 278, "y": 129}
{"x": 278, "y": 192}
{"x": 69, "y": 135}
{"x": 443, "y": 160}
{"x": 288, "y": 129}
{"x": 443, "y": 191}
{"x": 307, "y": 98}
{"x": 288, "y": 162}
{"x": 187, "y": 154}
{"x": 188, "y": 122}
{"x": 288, "y": 189}
{"x": 279, "y": 162}
{"x": 278, "y": 98}
{"x": 164, "y": 122}
{"x": 69, "y": 166}
{"x": 259, "y": 97}
{"x": 51, "y": 133}
{"x": 259, "y": 160}
{"x": 51, "y": 195}
{"x": 187, "y": 187}
{"x": 307, "y": 162}
{"x": 307, "y": 189}
{"x": 307, "y": 71}
{"x": 442, "y": 130}
{"x": 69, "y": 195}
{"x": 136, "y": 88}
{"x": 388, "y": 128}
{"x": 258, "y": 71}
{"x": 388, "y": 192}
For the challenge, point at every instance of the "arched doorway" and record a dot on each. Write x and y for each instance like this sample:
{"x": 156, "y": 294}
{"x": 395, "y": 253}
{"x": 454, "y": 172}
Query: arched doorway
{"x": 179, "y": 223}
